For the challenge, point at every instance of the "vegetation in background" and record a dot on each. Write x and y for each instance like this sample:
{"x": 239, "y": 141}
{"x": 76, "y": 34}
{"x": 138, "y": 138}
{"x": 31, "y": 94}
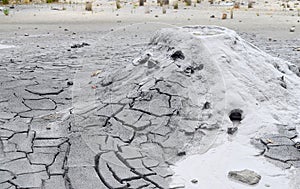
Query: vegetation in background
{"x": 175, "y": 5}
{"x": 250, "y": 4}
{"x": 6, "y": 12}
{"x": 164, "y": 11}
{"x": 5, "y": 2}
{"x": 88, "y": 6}
{"x": 188, "y": 2}
{"x": 51, "y": 1}
{"x": 118, "y": 4}
{"x": 141, "y": 2}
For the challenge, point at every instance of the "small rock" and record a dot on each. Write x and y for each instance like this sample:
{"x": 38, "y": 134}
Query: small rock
{"x": 194, "y": 181}
{"x": 80, "y": 45}
{"x": 70, "y": 83}
{"x": 182, "y": 153}
{"x": 66, "y": 29}
{"x": 245, "y": 176}
{"x": 176, "y": 186}
{"x": 156, "y": 16}
{"x": 231, "y": 130}
{"x": 26, "y": 34}
{"x": 292, "y": 29}
{"x": 212, "y": 16}
{"x": 95, "y": 73}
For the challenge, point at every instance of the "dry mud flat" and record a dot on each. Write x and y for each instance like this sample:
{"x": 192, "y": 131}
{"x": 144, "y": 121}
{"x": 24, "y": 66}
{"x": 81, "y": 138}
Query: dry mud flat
{"x": 69, "y": 120}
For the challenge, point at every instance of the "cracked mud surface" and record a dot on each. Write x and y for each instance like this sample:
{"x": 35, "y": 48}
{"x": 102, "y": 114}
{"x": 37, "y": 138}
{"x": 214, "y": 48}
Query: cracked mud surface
{"x": 61, "y": 127}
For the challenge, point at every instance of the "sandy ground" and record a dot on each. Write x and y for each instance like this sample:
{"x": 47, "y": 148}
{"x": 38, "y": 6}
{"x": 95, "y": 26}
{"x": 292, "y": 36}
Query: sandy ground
{"x": 35, "y": 45}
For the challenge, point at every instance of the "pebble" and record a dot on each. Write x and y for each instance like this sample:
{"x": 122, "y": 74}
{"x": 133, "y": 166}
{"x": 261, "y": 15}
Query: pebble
{"x": 232, "y": 130}
{"x": 245, "y": 176}
{"x": 183, "y": 153}
{"x": 70, "y": 83}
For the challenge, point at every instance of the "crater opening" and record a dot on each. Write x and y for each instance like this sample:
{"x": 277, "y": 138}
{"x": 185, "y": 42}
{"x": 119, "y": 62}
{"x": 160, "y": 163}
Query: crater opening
{"x": 236, "y": 115}
{"x": 177, "y": 55}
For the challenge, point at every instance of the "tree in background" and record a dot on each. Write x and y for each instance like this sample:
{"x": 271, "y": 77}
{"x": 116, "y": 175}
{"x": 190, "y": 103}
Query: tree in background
{"x": 141, "y": 2}
{"x": 5, "y": 2}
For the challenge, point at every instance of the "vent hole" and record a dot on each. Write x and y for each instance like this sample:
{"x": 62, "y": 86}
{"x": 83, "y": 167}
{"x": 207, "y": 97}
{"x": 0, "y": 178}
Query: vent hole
{"x": 236, "y": 115}
{"x": 177, "y": 55}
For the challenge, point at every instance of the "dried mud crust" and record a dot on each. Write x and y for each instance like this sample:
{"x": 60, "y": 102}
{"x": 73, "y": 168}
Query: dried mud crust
{"x": 36, "y": 108}
{"x": 50, "y": 139}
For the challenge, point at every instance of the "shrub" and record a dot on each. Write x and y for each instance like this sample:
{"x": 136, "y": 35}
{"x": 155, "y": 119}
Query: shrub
{"x": 51, "y": 1}
{"x": 118, "y": 5}
{"x": 188, "y": 2}
{"x": 141, "y": 2}
{"x": 5, "y": 2}
{"x": 175, "y": 6}
{"x": 88, "y": 6}
{"x": 6, "y": 12}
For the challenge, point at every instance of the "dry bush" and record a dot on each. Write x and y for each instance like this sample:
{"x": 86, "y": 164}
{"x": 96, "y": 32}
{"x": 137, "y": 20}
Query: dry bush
{"x": 188, "y": 2}
{"x": 141, "y": 2}
{"x": 164, "y": 11}
{"x": 250, "y": 4}
{"x": 5, "y": 2}
{"x": 224, "y": 16}
{"x": 175, "y": 5}
{"x": 237, "y": 5}
{"x": 118, "y": 4}
{"x": 88, "y": 6}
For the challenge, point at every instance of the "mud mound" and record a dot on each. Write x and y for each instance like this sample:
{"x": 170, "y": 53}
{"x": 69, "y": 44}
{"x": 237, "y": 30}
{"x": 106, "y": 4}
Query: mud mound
{"x": 176, "y": 98}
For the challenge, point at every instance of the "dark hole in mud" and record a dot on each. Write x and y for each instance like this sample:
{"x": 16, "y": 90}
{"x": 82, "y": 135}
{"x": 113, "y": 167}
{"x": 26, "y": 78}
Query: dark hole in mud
{"x": 177, "y": 55}
{"x": 183, "y": 153}
{"x": 192, "y": 69}
{"x": 236, "y": 115}
{"x": 206, "y": 105}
